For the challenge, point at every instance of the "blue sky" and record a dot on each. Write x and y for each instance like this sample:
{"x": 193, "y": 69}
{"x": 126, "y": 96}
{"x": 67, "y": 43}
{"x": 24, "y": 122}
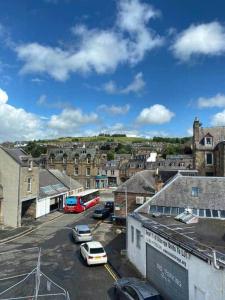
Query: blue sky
{"x": 78, "y": 68}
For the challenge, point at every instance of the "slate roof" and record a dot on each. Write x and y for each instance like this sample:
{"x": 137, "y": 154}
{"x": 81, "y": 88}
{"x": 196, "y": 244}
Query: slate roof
{"x": 17, "y": 154}
{"x": 65, "y": 179}
{"x": 178, "y": 193}
{"x": 49, "y": 185}
{"x": 142, "y": 182}
{"x": 71, "y": 153}
{"x": 218, "y": 134}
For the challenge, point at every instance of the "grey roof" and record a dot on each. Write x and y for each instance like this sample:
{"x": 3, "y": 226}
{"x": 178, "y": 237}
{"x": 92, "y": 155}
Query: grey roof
{"x": 204, "y": 236}
{"x": 66, "y": 180}
{"x": 70, "y": 153}
{"x": 141, "y": 183}
{"x": 49, "y": 185}
{"x": 178, "y": 193}
{"x": 19, "y": 155}
{"x": 218, "y": 134}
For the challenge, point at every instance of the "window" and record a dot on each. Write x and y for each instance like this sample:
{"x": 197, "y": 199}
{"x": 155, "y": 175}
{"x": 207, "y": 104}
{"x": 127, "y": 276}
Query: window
{"x": 201, "y": 212}
{"x": 138, "y": 239}
{"x": 222, "y": 214}
{"x": 209, "y": 159}
{"x": 181, "y": 210}
{"x": 167, "y": 210}
{"x": 88, "y": 172}
{"x": 88, "y": 159}
{"x": 194, "y": 211}
{"x": 131, "y": 292}
{"x": 88, "y": 184}
{"x": 76, "y": 171}
{"x": 132, "y": 233}
{"x": 195, "y": 191}
{"x": 208, "y": 141}
{"x": 208, "y": 213}
{"x": 215, "y": 213}
{"x": 112, "y": 172}
{"x": 76, "y": 159}
{"x": 174, "y": 211}
{"x": 160, "y": 209}
{"x": 153, "y": 208}
{"x": 64, "y": 159}
{"x": 29, "y": 184}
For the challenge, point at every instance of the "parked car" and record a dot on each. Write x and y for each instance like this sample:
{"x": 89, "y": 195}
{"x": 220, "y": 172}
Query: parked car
{"x": 93, "y": 253}
{"x": 101, "y": 213}
{"x": 109, "y": 205}
{"x": 81, "y": 233}
{"x": 134, "y": 288}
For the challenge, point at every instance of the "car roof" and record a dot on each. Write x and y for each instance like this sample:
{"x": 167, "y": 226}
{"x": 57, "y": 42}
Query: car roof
{"x": 82, "y": 227}
{"x": 144, "y": 288}
{"x": 94, "y": 244}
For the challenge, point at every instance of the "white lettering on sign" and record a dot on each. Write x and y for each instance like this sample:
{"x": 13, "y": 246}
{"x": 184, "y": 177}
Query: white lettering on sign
{"x": 171, "y": 250}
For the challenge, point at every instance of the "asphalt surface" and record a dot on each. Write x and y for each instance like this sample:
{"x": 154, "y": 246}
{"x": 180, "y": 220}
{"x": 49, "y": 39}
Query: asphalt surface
{"x": 60, "y": 260}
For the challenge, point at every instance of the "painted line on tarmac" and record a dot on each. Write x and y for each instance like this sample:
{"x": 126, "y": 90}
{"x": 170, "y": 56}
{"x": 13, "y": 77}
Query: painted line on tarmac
{"x": 111, "y": 272}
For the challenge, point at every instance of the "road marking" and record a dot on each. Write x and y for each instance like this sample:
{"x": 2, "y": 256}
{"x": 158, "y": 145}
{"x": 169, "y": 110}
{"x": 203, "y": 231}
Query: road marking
{"x": 111, "y": 272}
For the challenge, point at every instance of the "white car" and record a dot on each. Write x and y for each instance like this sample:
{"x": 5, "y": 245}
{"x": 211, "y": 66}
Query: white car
{"x": 82, "y": 233}
{"x": 93, "y": 253}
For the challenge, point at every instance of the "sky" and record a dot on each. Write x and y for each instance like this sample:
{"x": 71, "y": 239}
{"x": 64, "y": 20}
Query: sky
{"x": 140, "y": 67}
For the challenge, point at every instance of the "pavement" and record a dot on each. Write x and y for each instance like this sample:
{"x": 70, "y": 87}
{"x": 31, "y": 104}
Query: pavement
{"x": 9, "y": 233}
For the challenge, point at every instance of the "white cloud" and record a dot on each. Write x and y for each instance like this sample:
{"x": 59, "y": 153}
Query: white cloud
{"x": 135, "y": 86}
{"x": 115, "y": 110}
{"x": 156, "y": 114}
{"x": 3, "y": 97}
{"x": 42, "y": 100}
{"x": 204, "y": 39}
{"x": 97, "y": 50}
{"x": 216, "y": 101}
{"x": 16, "y": 123}
{"x": 218, "y": 119}
{"x": 190, "y": 131}
{"x": 70, "y": 120}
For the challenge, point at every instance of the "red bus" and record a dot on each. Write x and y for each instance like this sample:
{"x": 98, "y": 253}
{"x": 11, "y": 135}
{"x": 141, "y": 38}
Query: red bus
{"x": 81, "y": 201}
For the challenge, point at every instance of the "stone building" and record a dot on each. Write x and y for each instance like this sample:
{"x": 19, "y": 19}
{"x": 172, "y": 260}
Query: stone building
{"x": 172, "y": 162}
{"x": 19, "y": 181}
{"x": 82, "y": 164}
{"x": 209, "y": 149}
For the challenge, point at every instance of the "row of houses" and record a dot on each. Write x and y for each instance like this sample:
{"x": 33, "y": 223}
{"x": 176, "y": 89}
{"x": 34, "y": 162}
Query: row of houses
{"x": 27, "y": 191}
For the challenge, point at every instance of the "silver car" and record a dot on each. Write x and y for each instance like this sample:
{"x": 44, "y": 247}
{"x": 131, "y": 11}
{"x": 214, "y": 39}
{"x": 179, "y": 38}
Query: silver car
{"x": 82, "y": 233}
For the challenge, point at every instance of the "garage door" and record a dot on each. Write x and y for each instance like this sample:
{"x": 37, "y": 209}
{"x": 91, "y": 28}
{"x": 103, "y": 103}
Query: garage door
{"x": 170, "y": 278}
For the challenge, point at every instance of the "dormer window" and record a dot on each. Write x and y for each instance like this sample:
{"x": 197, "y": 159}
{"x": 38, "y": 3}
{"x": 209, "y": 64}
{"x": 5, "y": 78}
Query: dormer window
{"x": 208, "y": 140}
{"x": 88, "y": 159}
{"x": 76, "y": 159}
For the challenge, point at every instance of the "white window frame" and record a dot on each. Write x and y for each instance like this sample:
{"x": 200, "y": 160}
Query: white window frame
{"x": 88, "y": 184}
{"x": 211, "y": 141}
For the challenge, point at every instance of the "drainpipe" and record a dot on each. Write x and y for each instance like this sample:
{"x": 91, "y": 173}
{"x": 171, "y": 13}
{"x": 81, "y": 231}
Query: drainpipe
{"x": 215, "y": 264}
{"x": 18, "y": 202}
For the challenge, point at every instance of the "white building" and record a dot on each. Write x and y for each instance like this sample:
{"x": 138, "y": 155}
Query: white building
{"x": 177, "y": 255}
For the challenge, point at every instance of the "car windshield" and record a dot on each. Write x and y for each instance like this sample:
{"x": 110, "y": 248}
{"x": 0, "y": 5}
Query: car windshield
{"x": 96, "y": 250}
{"x": 84, "y": 231}
{"x": 98, "y": 211}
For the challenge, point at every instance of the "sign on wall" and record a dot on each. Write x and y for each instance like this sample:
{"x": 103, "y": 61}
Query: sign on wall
{"x": 169, "y": 249}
